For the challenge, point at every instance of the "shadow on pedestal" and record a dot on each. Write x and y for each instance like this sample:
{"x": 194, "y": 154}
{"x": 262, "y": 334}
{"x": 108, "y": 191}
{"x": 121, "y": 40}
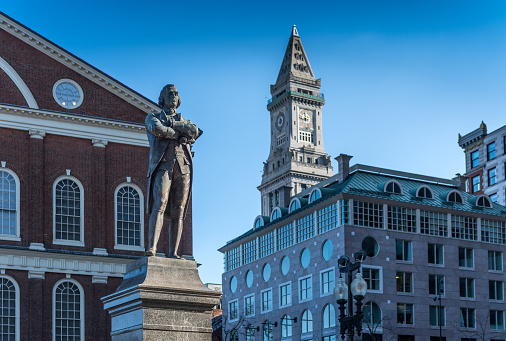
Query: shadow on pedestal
{"x": 161, "y": 299}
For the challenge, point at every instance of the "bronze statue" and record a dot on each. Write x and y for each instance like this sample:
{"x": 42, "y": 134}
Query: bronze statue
{"x": 170, "y": 169}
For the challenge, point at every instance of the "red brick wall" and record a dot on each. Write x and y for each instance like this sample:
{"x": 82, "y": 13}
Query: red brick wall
{"x": 10, "y": 91}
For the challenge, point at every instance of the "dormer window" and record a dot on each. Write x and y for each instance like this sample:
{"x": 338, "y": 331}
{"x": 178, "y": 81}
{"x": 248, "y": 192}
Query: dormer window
{"x": 455, "y": 196}
{"x": 393, "y": 187}
{"x": 294, "y": 205}
{"x": 276, "y": 213}
{"x": 483, "y": 201}
{"x": 315, "y": 195}
{"x": 424, "y": 192}
{"x": 259, "y": 222}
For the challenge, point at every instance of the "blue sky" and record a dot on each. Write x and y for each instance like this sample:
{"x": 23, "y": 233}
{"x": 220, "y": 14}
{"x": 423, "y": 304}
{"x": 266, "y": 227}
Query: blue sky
{"x": 401, "y": 80}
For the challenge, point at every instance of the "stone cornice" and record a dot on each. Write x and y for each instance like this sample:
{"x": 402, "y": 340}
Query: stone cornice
{"x": 67, "y": 124}
{"x": 75, "y": 63}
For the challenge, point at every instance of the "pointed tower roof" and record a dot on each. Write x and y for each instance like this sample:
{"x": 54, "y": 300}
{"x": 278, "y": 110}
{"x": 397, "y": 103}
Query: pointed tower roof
{"x": 295, "y": 61}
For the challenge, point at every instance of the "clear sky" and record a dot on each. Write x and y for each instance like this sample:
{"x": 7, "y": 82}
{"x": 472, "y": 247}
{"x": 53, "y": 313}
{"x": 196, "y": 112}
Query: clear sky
{"x": 401, "y": 80}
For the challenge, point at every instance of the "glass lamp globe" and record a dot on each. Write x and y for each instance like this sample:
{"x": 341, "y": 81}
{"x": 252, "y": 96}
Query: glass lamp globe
{"x": 341, "y": 290}
{"x": 359, "y": 286}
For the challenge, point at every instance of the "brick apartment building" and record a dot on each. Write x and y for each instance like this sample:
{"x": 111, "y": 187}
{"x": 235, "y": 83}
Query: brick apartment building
{"x": 73, "y": 164}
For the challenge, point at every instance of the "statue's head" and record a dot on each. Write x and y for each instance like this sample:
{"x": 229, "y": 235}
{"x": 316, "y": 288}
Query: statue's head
{"x": 169, "y": 97}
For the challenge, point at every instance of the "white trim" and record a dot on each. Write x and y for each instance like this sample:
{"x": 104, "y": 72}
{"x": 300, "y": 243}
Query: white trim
{"x": 141, "y": 198}
{"x": 237, "y": 309}
{"x": 18, "y": 81}
{"x": 76, "y": 85}
{"x": 310, "y": 292}
{"x": 375, "y": 267}
{"x": 424, "y": 186}
{"x": 315, "y": 189}
{"x": 485, "y": 197}
{"x": 254, "y": 305}
{"x": 394, "y": 181}
{"x": 16, "y": 237}
{"x": 81, "y": 305}
{"x": 458, "y": 193}
{"x": 331, "y": 290}
{"x": 294, "y": 199}
{"x": 289, "y": 294}
{"x": 81, "y": 189}
{"x": 68, "y": 124}
{"x": 262, "y": 311}
{"x": 17, "y": 309}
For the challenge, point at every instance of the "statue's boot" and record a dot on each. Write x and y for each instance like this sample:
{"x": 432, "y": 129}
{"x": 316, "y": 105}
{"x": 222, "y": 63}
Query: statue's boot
{"x": 175, "y": 232}
{"x": 155, "y": 227}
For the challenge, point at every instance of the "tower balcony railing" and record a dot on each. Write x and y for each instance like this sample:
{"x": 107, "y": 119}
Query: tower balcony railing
{"x": 319, "y": 98}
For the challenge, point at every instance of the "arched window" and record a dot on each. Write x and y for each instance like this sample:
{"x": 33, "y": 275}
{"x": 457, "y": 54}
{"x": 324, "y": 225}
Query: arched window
{"x": 68, "y": 311}
{"x": 372, "y": 314}
{"x": 315, "y": 195}
{"x": 329, "y": 316}
{"x": 455, "y": 196}
{"x": 307, "y": 321}
{"x": 9, "y": 205}
{"x": 276, "y": 213}
{"x": 9, "y": 314}
{"x": 483, "y": 201}
{"x": 286, "y": 326}
{"x": 129, "y": 213}
{"x": 424, "y": 192}
{"x": 259, "y": 222}
{"x": 393, "y": 186}
{"x": 295, "y": 204}
{"x": 68, "y": 206}
{"x": 267, "y": 331}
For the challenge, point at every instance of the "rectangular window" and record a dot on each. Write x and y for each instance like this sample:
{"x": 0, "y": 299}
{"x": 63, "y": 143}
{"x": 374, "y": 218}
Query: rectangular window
{"x": 491, "y": 151}
{"x": 466, "y": 287}
{"x": 267, "y": 300}
{"x": 285, "y": 294}
{"x": 372, "y": 277}
{"x": 496, "y": 290}
{"x": 466, "y": 258}
{"x": 491, "y": 177}
{"x": 305, "y": 286}
{"x": 493, "y": 197}
{"x": 404, "y": 281}
{"x": 495, "y": 260}
{"x": 345, "y": 212}
{"x": 404, "y": 313}
{"x": 403, "y": 250}
{"x": 233, "y": 258}
{"x": 367, "y": 214}
{"x": 435, "y": 254}
{"x": 266, "y": 244}
{"x": 249, "y": 251}
{"x": 464, "y": 227}
{"x": 232, "y": 310}
{"x": 436, "y": 284}
{"x": 496, "y": 319}
{"x": 467, "y": 318}
{"x": 401, "y": 219}
{"x": 327, "y": 281}
{"x": 493, "y": 231}
{"x": 249, "y": 305}
{"x": 433, "y": 223}
{"x": 305, "y": 227}
{"x": 405, "y": 338}
{"x": 437, "y": 316}
{"x": 476, "y": 183}
{"x": 285, "y": 236}
{"x": 475, "y": 159}
{"x": 327, "y": 218}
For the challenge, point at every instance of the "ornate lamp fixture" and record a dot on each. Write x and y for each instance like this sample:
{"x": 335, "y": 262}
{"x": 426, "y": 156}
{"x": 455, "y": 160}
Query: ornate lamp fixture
{"x": 345, "y": 294}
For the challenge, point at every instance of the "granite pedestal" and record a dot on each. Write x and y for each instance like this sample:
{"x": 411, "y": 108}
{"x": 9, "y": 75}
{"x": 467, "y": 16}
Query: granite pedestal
{"x": 161, "y": 299}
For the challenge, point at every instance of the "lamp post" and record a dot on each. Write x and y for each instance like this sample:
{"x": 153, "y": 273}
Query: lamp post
{"x": 438, "y": 298}
{"x": 345, "y": 294}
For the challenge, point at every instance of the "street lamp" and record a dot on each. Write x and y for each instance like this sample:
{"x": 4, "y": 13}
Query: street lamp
{"x": 438, "y": 298}
{"x": 345, "y": 294}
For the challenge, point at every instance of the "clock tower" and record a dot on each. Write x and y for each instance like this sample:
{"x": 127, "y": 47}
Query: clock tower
{"x": 297, "y": 158}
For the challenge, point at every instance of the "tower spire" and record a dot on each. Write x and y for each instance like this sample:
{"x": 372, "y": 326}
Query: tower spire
{"x": 295, "y": 61}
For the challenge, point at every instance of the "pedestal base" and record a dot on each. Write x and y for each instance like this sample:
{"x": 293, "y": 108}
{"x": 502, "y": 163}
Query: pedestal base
{"x": 161, "y": 299}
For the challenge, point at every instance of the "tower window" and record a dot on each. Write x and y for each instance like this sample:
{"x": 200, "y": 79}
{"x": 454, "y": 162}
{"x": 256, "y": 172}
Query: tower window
{"x": 308, "y": 160}
{"x": 300, "y": 158}
{"x": 305, "y": 136}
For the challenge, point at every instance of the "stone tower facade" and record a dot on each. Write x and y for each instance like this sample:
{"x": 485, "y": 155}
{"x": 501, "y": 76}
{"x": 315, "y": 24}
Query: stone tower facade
{"x": 297, "y": 158}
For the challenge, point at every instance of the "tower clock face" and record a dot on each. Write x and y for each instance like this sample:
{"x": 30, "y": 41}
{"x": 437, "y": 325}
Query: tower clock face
{"x": 280, "y": 120}
{"x": 305, "y": 118}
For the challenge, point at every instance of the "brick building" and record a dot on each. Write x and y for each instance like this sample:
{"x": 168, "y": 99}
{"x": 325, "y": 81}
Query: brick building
{"x": 73, "y": 164}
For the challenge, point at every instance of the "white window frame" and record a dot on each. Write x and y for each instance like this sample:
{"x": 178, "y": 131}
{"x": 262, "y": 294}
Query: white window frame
{"x": 396, "y": 182}
{"x": 424, "y": 186}
{"x": 376, "y": 267}
{"x": 254, "y": 305}
{"x": 17, "y": 308}
{"x": 81, "y": 189}
{"x": 262, "y": 311}
{"x": 228, "y": 308}
{"x": 141, "y": 199}
{"x": 299, "y": 289}
{"x": 331, "y": 291}
{"x": 289, "y": 296}
{"x": 81, "y": 304}
{"x": 16, "y": 237}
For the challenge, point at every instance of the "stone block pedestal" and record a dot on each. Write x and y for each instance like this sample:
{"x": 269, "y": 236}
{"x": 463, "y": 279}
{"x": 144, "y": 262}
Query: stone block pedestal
{"x": 161, "y": 299}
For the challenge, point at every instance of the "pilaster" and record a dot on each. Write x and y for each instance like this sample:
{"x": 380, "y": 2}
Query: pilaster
{"x": 36, "y": 188}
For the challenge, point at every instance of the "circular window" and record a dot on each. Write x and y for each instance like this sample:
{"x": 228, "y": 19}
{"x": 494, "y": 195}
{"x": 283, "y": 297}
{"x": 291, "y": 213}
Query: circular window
{"x": 305, "y": 257}
{"x": 68, "y": 93}
{"x": 266, "y": 273}
{"x": 327, "y": 250}
{"x": 370, "y": 246}
{"x": 233, "y": 284}
{"x": 285, "y": 265}
{"x": 249, "y": 278}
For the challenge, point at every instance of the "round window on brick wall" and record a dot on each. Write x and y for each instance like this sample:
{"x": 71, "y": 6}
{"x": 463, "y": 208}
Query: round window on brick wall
{"x": 68, "y": 94}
